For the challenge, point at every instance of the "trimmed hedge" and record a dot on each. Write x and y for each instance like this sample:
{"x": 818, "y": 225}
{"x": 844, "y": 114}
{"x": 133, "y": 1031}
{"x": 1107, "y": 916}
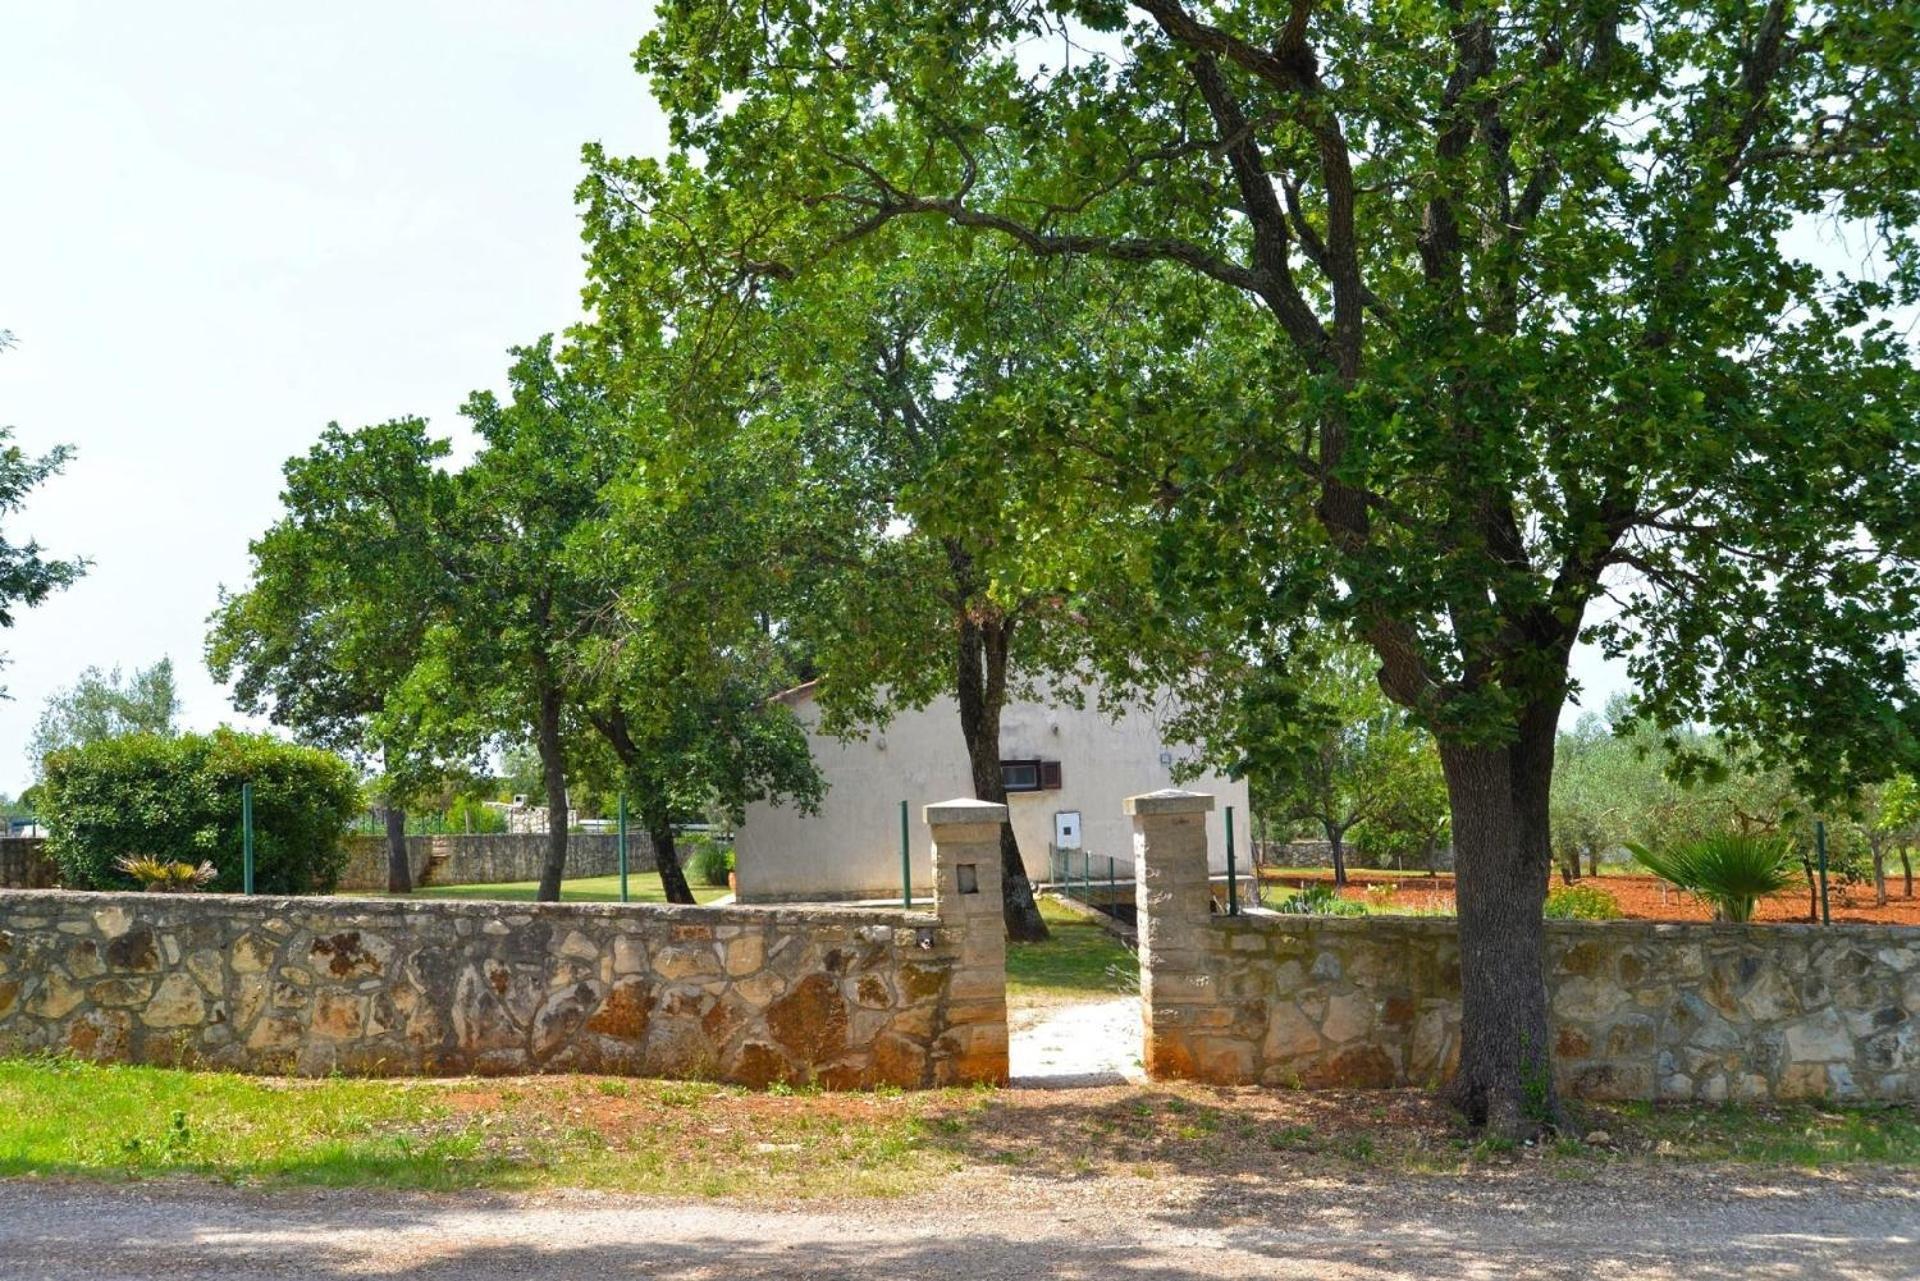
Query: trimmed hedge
{"x": 179, "y": 798}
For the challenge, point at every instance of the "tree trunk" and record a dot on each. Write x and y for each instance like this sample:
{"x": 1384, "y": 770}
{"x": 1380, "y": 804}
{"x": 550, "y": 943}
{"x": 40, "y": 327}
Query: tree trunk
{"x": 1337, "y": 854}
{"x": 399, "y": 871}
{"x": 1593, "y": 861}
{"x": 656, "y": 816}
{"x": 1499, "y": 798}
{"x": 982, "y": 691}
{"x": 1879, "y": 876}
{"x": 1906, "y": 869}
{"x": 673, "y": 877}
{"x": 553, "y": 771}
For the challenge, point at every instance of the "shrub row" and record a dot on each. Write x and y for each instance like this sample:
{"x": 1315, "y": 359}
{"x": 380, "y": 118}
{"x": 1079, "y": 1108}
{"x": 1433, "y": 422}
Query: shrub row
{"x": 179, "y": 798}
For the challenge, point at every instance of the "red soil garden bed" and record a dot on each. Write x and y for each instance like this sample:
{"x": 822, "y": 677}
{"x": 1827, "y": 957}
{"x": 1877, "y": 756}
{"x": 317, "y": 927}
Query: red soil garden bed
{"x": 1641, "y": 898}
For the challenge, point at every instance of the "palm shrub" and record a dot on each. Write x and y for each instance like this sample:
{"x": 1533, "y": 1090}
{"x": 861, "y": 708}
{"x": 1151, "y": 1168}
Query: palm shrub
{"x": 1732, "y": 871}
{"x": 166, "y": 876}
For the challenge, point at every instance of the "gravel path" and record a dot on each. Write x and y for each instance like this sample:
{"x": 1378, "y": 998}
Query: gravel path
{"x": 1698, "y": 1224}
{"x": 1075, "y": 1043}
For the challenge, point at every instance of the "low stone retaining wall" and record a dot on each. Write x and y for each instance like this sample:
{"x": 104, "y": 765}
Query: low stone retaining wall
{"x": 1639, "y": 1010}
{"x": 1307, "y": 852}
{"x": 26, "y": 865}
{"x": 393, "y": 988}
{"x": 493, "y": 858}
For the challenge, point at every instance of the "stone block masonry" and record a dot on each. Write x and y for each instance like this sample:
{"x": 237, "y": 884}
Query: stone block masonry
{"x": 491, "y": 858}
{"x": 839, "y": 997}
{"x": 26, "y": 865}
{"x": 1747, "y": 1013}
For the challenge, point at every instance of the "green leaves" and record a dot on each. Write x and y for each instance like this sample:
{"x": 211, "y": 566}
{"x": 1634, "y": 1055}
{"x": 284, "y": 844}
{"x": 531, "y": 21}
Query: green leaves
{"x": 106, "y": 705}
{"x": 1732, "y": 871}
{"x": 1512, "y": 278}
{"x": 179, "y": 798}
{"x": 27, "y": 574}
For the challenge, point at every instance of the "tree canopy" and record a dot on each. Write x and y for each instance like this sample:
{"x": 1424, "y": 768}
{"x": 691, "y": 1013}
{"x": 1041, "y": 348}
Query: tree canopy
{"x": 551, "y": 593}
{"x": 27, "y": 574}
{"x": 101, "y": 705}
{"x": 1514, "y": 286}
{"x": 342, "y": 591}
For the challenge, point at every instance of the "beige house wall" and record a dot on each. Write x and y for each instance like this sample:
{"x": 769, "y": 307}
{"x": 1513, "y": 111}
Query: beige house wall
{"x": 851, "y": 849}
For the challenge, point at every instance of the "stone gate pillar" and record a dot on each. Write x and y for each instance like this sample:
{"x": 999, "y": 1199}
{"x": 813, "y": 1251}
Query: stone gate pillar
{"x": 1173, "y": 899}
{"x": 966, "y": 894}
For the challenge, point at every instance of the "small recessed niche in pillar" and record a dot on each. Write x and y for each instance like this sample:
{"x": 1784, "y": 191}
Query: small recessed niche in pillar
{"x": 967, "y": 878}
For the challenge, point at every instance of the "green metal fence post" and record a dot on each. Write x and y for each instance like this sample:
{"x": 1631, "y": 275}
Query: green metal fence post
{"x": 1113, "y": 883}
{"x": 906, "y": 861}
{"x": 1820, "y": 844}
{"x": 1233, "y": 888}
{"x": 246, "y": 838}
{"x": 622, "y": 839}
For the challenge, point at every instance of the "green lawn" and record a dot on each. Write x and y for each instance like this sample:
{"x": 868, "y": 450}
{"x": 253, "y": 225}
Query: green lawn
{"x": 1081, "y": 959}
{"x": 60, "y": 1118}
{"x": 642, "y": 887}
{"x": 65, "y": 1118}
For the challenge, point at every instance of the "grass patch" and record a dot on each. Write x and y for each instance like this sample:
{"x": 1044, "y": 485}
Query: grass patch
{"x": 1080, "y": 959}
{"x": 71, "y": 1119}
{"x": 1806, "y": 1135}
{"x": 642, "y": 887}
{"x": 59, "y": 1117}
{"x": 680, "y": 1138}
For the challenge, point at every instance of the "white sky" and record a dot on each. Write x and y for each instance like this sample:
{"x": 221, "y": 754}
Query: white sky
{"x": 223, "y": 225}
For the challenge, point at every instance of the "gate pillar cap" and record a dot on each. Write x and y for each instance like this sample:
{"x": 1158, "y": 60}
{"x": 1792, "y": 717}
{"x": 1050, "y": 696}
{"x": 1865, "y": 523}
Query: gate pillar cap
{"x": 1168, "y": 800}
{"x": 942, "y": 813}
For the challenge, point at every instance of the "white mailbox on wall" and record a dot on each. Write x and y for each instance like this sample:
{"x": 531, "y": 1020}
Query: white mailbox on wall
{"x": 1066, "y": 829}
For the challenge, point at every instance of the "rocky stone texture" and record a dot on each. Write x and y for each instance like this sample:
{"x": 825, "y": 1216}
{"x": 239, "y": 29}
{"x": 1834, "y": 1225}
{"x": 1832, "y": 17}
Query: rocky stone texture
{"x": 1640, "y": 1010}
{"x": 843, "y": 998}
{"x": 26, "y": 865}
{"x": 493, "y": 858}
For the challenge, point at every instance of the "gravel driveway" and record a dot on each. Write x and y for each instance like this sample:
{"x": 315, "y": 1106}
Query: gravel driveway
{"x": 1702, "y": 1224}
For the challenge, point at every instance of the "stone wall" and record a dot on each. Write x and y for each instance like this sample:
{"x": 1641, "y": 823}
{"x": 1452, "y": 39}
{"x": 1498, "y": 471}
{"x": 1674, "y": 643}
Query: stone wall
{"x": 492, "y": 858}
{"x": 26, "y": 865}
{"x": 1307, "y": 852}
{"x": 1640, "y": 1010}
{"x": 842, "y": 997}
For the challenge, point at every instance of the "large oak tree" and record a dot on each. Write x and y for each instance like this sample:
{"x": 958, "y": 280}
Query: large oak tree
{"x": 1520, "y": 283}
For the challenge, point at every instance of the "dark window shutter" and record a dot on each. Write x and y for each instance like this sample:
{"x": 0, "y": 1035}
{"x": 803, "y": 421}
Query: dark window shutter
{"x": 1050, "y": 775}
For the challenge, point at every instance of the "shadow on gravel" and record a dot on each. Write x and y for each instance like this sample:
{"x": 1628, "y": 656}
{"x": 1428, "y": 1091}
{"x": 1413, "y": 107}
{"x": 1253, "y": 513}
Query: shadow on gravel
{"x": 66, "y": 1231}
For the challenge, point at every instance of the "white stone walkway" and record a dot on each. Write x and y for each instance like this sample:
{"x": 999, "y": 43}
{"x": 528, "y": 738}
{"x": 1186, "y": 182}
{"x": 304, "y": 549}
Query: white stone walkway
{"x": 1061, "y": 1044}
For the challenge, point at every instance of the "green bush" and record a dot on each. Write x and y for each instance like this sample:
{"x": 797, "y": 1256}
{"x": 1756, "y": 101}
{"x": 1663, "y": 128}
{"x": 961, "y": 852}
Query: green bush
{"x": 471, "y": 814}
{"x": 1581, "y": 903}
{"x": 1319, "y": 900}
{"x": 179, "y": 798}
{"x": 709, "y": 861}
{"x": 1731, "y": 871}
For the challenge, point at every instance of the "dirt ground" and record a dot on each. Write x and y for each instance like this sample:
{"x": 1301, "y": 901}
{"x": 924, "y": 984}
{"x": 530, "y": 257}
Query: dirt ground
{"x": 1641, "y": 898}
{"x": 1703, "y": 1224}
